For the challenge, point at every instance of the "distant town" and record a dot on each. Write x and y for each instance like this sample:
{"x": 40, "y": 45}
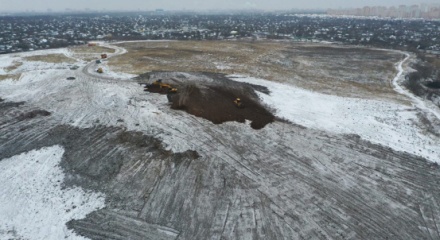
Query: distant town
{"x": 34, "y": 32}
{"x": 423, "y": 11}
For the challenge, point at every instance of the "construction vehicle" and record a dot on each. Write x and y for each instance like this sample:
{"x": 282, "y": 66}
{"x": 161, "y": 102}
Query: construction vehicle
{"x": 100, "y": 70}
{"x": 159, "y": 87}
{"x": 160, "y": 84}
{"x": 104, "y": 55}
{"x": 238, "y": 103}
{"x": 171, "y": 93}
{"x": 98, "y": 61}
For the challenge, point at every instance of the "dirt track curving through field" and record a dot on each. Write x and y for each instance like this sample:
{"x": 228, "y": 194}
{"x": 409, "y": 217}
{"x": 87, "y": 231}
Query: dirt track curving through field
{"x": 90, "y": 69}
{"x": 424, "y": 105}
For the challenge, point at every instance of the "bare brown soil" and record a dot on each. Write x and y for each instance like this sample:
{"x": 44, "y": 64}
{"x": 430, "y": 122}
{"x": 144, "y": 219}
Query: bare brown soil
{"x": 215, "y": 102}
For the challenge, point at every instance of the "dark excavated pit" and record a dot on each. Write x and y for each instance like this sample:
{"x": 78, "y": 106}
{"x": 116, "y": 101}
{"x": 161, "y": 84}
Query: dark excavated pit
{"x": 214, "y": 100}
{"x": 433, "y": 85}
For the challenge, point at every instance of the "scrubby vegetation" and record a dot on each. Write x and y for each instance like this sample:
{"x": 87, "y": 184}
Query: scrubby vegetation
{"x": 425, "y": 80}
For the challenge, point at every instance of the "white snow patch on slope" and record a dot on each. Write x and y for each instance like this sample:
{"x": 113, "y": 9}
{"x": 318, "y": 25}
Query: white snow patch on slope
{"x": 63, "y": 51}
{"x": 109, "y": 72}
{"x": 85, "y": 102}
{"x": 9, "y": 59}
{"x": 6, "y": 61}
{"x": 380, "y": 122}
{"x": 32, "y": 203}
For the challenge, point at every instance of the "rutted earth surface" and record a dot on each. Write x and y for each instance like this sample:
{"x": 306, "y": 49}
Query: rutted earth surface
{"x": 166, "y": 174}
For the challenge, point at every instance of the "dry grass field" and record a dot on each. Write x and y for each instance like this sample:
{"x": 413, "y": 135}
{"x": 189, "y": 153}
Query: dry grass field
{"x": 15, "y": 65}
{"x": 87, "y": 53}
{"x": 50, "y": 58}
{"x": 12, "y": 67}
{"x": 91, "y": 49}
{"x": 9, "y": 76}
{"x": 345, "y": 71}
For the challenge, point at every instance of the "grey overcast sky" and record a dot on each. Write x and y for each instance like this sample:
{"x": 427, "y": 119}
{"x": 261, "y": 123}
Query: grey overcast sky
{"x": 61, "y": 5}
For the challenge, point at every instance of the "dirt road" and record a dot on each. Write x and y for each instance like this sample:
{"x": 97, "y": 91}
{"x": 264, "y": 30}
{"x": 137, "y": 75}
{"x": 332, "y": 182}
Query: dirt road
{"x": 90, "y": 69}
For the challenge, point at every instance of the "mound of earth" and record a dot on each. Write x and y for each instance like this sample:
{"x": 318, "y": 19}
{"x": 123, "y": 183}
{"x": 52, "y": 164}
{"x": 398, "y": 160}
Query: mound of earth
{"x": 214, "y": 101}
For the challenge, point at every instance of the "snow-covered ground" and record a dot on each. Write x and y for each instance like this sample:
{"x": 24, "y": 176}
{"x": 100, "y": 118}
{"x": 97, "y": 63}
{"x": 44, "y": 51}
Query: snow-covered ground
{"x": 33, "y": 204}
{"x": 390, "y": 124}
{"x": 386, "y": 123}
{"x": 6, "y": 61}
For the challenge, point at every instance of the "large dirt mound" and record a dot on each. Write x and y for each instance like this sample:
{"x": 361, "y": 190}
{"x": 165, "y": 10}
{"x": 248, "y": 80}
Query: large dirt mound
{"x": 214, "y": 101}
{"x": 216, "y": 104}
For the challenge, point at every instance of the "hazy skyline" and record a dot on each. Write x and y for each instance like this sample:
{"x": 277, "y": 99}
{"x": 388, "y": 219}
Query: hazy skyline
{"x": 56, "y": 5}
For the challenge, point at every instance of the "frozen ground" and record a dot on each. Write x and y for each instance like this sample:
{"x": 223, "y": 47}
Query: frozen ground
{"x": 385, "y": 123}
{"x": 344, "y": 168}
{"x": 33, "y": 203}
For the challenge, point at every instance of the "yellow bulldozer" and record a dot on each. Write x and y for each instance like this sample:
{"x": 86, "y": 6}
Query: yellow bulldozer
{"x": 99, "y": 70}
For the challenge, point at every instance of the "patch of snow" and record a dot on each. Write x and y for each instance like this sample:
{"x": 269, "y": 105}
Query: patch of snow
{"x": 63, "y": 51}
{"x": 37, "y": 65}
{"x": 87, "y": 101}
{"x": 221, "y": 66}
{"x": 168, "y": 231}
{"x": 385, "y": 123}
{"x": 6, "y": 60}
{"x": 108, "y": 72}
{"x": 33, "y": 204}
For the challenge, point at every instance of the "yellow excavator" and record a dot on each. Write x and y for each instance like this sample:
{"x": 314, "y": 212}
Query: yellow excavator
{"x": 160, "y": 84}
{"x": 238, "y": 103}
{"x": 171, "y": 93}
